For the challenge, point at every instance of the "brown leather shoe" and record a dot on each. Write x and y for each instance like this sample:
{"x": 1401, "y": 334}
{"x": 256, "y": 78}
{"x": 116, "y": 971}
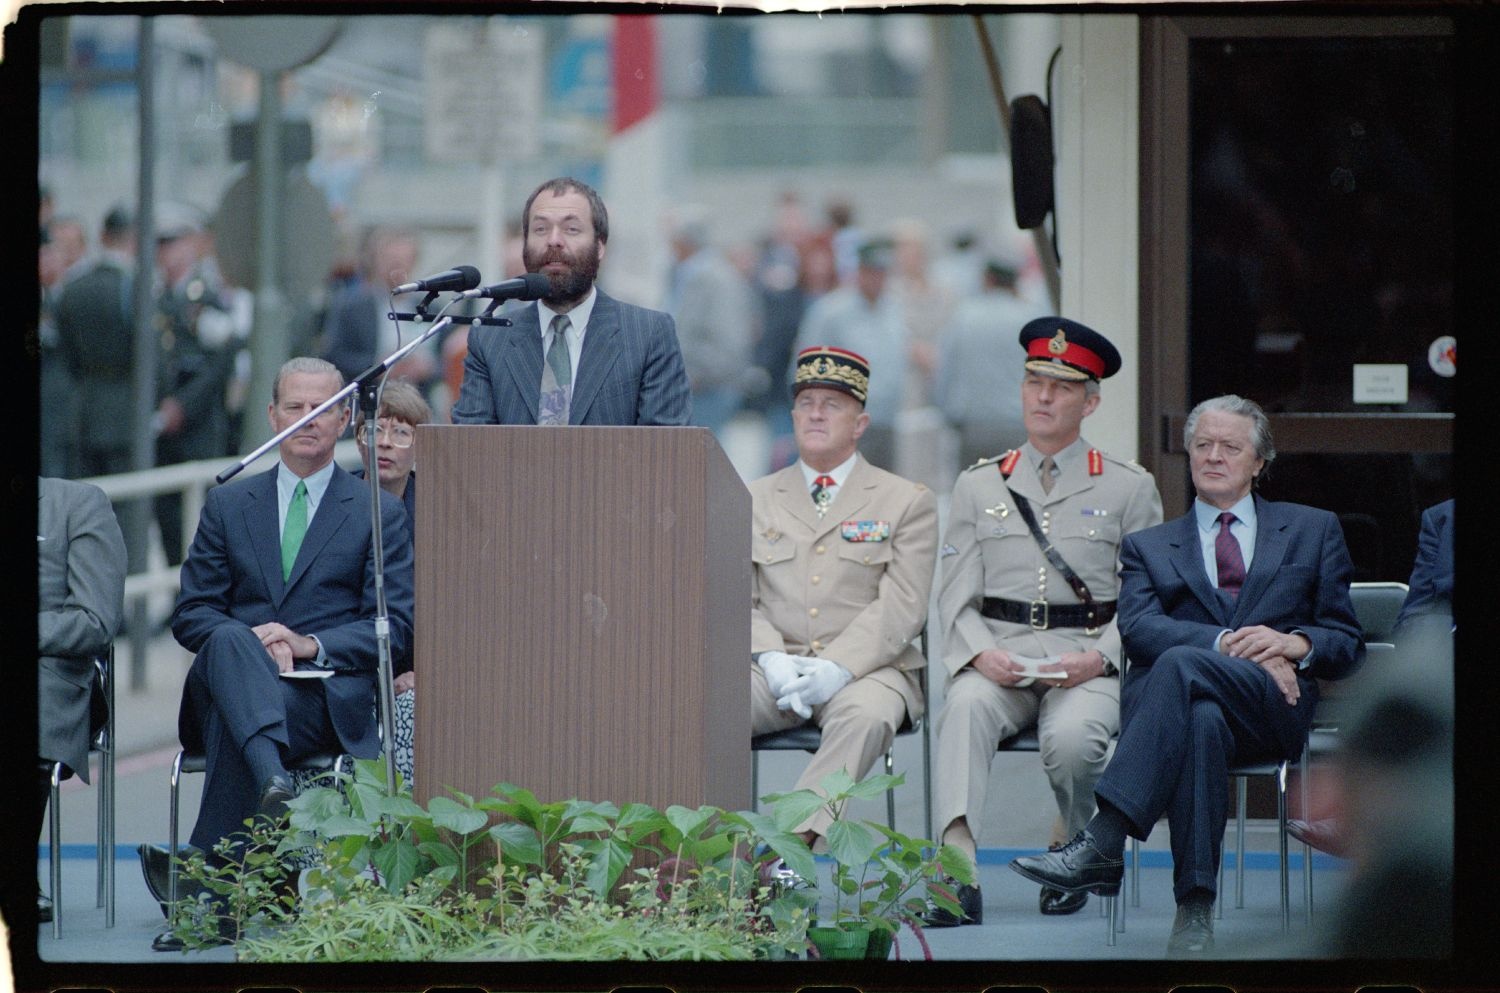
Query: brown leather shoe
{"x": 1326, "y": 835}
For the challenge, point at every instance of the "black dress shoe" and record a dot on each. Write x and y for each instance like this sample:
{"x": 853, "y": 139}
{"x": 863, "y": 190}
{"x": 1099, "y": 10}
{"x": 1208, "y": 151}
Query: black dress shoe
{"x": 43, "y": 909}
{"x": 970, "y": 901}
{"x": 274, "y": 794}
{"x": 1192, "y": 931}
{"x": 1075, "y": 867}
{"x": 168, "y": 941}
{"x": 1054, "y": 902}
{"x": 156, "y": 869}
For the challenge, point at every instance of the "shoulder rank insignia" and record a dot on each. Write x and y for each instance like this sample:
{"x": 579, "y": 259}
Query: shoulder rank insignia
{"x": 985, "y": 461}
{"x": 1008, "y": 464}
{"x": 1096, "y": 462}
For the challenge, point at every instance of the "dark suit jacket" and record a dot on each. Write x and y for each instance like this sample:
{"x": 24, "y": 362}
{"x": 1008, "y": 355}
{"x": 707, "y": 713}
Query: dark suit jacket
{"x": 351, "y": 328}
{"x": 96, "y": 337}
{"x": 1431, "y": 587}
{"x": 80, "y": 604}
{"x": 631, "y": 370}
{"x": 1299, "y": 579}
{"x": 232, "y": 574}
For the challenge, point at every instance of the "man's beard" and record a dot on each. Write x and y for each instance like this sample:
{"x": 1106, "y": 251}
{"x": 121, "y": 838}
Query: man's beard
{"x": 566, "y": 287}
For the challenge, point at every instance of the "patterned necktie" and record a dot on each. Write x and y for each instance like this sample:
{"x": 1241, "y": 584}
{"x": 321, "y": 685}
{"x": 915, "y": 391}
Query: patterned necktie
{"x": 557, "y": 376}
{"x": 1047, "y": 468}
{"x": 1228, "y": 558}
{"x": 295, "y": 529}
{"x": 822, "y": 493}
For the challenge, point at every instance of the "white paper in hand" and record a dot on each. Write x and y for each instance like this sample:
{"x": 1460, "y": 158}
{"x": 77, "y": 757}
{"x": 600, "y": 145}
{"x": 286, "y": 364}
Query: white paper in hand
{"x": 1032, "y": 667}
{"x": 307, "y": 674}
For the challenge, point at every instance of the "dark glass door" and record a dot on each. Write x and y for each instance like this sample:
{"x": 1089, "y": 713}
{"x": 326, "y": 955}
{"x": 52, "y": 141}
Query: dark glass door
{"x": 1315, "y": 235}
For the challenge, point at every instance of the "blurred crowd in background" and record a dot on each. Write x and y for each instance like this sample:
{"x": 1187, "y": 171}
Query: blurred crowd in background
{"x": 934, "y": 313}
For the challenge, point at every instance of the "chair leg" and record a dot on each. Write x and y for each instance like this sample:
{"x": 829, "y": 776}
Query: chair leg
{"x": 1108, "y": 904}
{"x": 54, "y": 853}
{"x": 1286, "y": 913}
{"x": 890, "y": 795}
{"x": 172, "y": 834}
{"x": 1239, "y": 842}
{"x": 1135, "y": 872}
{"x": 107, "y": 821}
{"x": 1219, "y": 889}
{"x": 754, "y": 779}
{"x": 927, "y": 779}
{"x": 1307, "y": 879}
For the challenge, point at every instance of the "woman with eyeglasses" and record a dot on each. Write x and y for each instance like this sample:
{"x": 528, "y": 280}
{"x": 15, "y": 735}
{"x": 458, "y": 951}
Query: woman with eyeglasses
{"x": 401, "y": 410}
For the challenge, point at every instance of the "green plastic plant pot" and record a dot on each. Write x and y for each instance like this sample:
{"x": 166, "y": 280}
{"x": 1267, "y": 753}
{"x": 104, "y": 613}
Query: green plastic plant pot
{"x": 879, "y": 947}
{"x": 838, "y": 943}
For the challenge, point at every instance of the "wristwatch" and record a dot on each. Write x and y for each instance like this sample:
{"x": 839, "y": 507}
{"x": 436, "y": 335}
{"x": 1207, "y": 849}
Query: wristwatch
{"x": 1110, "y": 669}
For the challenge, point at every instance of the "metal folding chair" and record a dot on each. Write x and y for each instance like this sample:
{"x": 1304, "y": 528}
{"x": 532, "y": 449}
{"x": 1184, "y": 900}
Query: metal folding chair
{"x": 196, "y": 762}
{"x": 808, "y": 737}
{"x": 103, "y": 742}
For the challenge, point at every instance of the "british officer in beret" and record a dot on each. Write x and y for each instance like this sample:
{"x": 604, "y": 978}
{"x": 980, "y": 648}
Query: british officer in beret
{"x": 1029, "y": 576}
{"x": 843, "y": 567}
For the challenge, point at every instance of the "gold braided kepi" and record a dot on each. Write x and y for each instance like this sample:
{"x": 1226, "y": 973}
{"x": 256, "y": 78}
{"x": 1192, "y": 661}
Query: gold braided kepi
{"x": 834, "y": 368}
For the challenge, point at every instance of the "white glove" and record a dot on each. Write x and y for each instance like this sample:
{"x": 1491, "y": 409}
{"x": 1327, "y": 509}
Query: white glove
{"x": 819, "y": 681}
{"x": 780, "y": 669}
{"x": 793, "y": 701}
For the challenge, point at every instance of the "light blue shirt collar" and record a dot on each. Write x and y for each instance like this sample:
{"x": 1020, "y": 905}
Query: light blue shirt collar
{"x": 1243, "y": 529}
{"x": 286, "y": 485}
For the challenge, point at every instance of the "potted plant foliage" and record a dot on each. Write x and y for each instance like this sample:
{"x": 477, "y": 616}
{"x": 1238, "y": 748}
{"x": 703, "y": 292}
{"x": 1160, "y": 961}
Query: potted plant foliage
{"x": 880, "y": 878}
{"x": 567, "y": 880}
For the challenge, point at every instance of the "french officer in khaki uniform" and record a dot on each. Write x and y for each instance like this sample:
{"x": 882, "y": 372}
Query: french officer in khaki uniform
{"x": 843, "y": 569}
{"x": 1038, "y": 596}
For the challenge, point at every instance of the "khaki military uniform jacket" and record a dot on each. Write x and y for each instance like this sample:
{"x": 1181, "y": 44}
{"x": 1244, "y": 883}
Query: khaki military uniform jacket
{"x": 817, "y": 589}
{"x": 988, "y": 551}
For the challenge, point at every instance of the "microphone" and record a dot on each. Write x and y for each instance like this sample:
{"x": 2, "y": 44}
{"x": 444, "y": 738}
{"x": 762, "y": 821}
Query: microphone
{"x": 531, "y": 286}
{"x": 461, "y": 278}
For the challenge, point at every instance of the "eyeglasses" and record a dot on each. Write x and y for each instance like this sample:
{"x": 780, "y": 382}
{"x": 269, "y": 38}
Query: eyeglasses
{"x": 399, "y": 435}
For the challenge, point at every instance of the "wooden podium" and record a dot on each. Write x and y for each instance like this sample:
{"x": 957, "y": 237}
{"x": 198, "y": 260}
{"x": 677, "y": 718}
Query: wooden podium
{"x": 582, "y": 615}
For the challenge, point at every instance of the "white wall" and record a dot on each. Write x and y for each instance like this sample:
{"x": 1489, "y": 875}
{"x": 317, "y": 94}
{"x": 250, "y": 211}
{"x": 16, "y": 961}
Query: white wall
{"x": 1095, "y": 95}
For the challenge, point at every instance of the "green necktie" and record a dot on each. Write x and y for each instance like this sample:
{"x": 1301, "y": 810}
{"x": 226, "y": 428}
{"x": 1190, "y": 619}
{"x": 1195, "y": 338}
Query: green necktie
{"x": 557, "y": 376}
{"x": 296, "y": 528}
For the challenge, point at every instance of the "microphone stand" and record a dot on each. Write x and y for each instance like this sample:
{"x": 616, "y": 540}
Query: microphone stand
{"x": 368, "y": 384}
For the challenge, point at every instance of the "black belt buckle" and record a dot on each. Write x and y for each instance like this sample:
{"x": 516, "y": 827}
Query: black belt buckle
{"x": 1032, "y": 615}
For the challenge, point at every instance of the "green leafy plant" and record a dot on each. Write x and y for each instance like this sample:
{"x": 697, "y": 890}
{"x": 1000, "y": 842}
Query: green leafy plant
{"x": 550, "y": 880}
{"x": 881, "y": 878}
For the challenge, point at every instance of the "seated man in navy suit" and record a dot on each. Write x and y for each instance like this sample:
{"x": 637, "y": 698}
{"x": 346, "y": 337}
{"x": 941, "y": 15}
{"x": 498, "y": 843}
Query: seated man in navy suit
{"x": 1229, "y": 616}
{"x": 606, "y": 362}
{"x": 1423, "y": 635}
{"x": 278, "y": 584}
{"x": 1429, "y": 594}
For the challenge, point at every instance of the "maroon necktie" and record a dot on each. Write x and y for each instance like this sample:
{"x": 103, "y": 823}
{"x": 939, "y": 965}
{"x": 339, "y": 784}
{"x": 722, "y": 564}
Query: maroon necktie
{"x": 1228, "y": 558}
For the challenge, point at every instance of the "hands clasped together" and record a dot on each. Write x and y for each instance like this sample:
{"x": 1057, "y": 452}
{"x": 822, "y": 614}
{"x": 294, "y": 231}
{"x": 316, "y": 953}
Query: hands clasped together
{"x": 1273, "y": 651}
{"x": 285, "y": 645}
{"x": 802, "y": 682}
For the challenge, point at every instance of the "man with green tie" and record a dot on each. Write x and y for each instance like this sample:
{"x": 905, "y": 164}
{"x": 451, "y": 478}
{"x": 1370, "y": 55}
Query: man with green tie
{"x": 278, "y": 606}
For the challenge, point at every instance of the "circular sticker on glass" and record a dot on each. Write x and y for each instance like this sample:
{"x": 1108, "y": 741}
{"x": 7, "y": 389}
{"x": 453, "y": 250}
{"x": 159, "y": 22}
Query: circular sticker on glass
{"x": 1442, "y": 355}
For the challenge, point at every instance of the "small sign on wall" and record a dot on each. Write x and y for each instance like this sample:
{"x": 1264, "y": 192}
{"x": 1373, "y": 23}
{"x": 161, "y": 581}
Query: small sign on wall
{"x": 1379, "y": 383}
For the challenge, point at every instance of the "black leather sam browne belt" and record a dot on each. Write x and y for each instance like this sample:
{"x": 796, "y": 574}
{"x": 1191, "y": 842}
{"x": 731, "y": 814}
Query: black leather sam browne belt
{"x": 1042, "y": 615}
